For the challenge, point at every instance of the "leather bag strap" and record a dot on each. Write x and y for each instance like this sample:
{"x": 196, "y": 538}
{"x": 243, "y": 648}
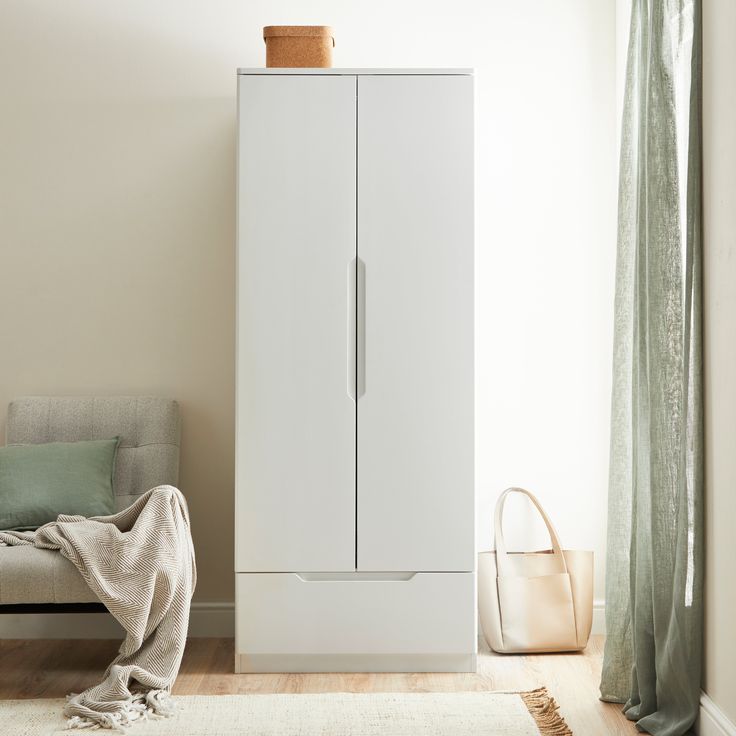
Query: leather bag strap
{"x": 501, "y": 554}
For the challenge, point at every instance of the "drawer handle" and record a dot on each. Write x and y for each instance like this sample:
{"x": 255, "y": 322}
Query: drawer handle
{"x": 354, "y": 577}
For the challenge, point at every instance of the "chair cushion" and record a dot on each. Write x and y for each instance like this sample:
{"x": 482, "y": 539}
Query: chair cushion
{"x": 31, "y": 575}
{"x": 39, "y": 482}
{"x": 148, "y": 427}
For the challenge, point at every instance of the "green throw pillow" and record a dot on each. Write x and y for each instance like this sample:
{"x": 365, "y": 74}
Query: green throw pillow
{"x": 39, "y": 482}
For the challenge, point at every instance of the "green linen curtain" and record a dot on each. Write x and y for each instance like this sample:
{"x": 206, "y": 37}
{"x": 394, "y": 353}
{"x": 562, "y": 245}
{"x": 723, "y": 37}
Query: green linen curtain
{"x": 654, "y": 573}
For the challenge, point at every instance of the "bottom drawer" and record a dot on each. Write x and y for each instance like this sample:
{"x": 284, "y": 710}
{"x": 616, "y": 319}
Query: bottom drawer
{"x": 355, "y": 622}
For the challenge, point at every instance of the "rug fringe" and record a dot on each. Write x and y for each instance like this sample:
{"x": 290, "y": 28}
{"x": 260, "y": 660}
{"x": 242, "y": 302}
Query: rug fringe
{"x": 544, "y": 710}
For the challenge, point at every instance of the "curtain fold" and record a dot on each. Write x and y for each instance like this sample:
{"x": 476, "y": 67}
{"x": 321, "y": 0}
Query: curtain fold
{"x": 654, "y": 575}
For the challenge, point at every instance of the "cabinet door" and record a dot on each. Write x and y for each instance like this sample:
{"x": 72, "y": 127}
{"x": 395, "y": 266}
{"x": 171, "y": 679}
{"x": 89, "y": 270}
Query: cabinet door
{"x": 295, "y": 454}
{"x": 415, "y": 502}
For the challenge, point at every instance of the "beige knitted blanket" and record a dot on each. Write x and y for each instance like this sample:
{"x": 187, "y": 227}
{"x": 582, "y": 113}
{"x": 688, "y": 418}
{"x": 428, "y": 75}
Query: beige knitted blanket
{"x": 140, "y": 563}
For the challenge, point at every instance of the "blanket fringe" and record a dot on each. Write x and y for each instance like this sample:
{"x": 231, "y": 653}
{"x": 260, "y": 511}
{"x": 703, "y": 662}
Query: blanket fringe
{"x": 544, "y": 710}
{"x": 140, "y": 707}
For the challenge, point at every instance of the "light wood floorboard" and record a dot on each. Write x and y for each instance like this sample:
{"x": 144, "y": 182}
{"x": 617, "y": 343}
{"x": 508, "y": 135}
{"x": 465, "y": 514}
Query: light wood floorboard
{"x": 38, "y": 668}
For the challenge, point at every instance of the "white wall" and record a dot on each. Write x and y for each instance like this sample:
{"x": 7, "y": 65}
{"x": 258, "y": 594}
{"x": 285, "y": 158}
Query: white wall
{"x": 546, "y": 199}
{"x": 117, "y": 210}
{"x": 719, "y": 195}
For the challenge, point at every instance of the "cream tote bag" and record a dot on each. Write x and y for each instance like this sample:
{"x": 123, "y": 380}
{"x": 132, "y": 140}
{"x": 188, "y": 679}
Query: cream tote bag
{"x": 534, "y": 601}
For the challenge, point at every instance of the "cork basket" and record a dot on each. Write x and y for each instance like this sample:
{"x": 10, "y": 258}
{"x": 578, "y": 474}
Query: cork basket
{"x": 298, "y": 46}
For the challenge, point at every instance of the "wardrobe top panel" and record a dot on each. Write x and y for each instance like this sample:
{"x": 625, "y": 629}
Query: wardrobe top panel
{"x": 357, "y": 72}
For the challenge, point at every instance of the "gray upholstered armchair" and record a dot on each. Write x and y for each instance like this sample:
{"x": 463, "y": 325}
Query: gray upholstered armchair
{"x": 148, "y": 456}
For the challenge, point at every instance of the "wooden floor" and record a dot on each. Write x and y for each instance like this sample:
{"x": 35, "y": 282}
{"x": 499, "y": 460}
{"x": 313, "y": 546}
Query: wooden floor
{"x": 52, "y": 668}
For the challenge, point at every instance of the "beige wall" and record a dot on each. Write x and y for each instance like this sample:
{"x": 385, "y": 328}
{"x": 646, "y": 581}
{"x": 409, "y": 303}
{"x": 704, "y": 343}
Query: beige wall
{"x": 117, "y": 127}
{"x": 117, "y": 229}
{"x": 719, "y": 134}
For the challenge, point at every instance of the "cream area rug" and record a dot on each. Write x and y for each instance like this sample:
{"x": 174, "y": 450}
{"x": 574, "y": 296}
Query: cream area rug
{"x": 323, "y": 714}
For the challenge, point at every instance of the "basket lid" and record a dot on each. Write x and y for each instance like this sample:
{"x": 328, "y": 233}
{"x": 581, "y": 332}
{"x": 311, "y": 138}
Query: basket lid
{"x": 314, "y": 31}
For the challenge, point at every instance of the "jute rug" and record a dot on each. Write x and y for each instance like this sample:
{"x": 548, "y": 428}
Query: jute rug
{"x": 324, "y": 714}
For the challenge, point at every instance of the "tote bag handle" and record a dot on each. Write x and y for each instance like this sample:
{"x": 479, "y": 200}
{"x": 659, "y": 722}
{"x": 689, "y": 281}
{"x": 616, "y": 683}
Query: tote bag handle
{"x": 502, "y": 562}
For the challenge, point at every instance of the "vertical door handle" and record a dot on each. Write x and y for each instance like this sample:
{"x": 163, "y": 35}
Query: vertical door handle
{"x": 356, "y": 329}
{"x": 360, "y": 328}
{"x": 352, "y": 329}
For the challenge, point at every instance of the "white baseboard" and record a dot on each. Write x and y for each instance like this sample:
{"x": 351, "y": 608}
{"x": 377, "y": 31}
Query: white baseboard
{"x": 212, "y": 619}
{"x": 205, "y": 619}
{"x": 712, "y": 721}
{"x": 599, "y": 618}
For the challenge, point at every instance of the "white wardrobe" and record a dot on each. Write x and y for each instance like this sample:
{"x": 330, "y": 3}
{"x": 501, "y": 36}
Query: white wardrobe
{"x": 354, "y": 513}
